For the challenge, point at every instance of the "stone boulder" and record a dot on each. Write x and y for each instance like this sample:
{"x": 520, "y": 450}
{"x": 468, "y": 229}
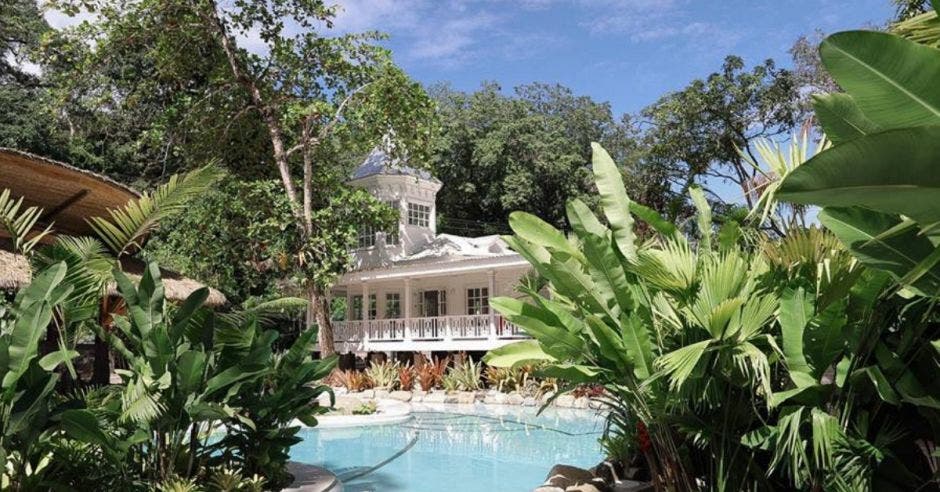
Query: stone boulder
{"x": 382, "y": 393}
{"x": 515, "y": 399}
{"x": 496, "y": 399}
{"x": 435, "y": 397}
{"x": 565, "y": 401}
{"x": 565, "y": 476}
{"x": 466, "y": 397}
{"x": 346, "y": 404}
{"x": 530, "y": 401}
{"x": 404, "y": 396}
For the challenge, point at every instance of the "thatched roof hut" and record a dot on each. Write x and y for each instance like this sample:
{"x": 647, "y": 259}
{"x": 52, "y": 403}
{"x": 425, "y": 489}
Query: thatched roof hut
{"x": 15, "y": 273}
{"x": 69, "y": 196}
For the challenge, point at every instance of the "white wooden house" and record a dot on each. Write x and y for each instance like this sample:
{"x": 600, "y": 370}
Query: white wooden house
{"x": 412, "y": 289}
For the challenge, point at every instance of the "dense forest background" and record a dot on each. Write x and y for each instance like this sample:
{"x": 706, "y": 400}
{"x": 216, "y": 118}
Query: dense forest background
{"x": 119, "y": 108}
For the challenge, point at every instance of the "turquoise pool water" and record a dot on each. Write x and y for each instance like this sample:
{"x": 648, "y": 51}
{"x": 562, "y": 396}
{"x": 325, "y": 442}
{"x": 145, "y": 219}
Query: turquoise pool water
{"x": 505, "y": 450}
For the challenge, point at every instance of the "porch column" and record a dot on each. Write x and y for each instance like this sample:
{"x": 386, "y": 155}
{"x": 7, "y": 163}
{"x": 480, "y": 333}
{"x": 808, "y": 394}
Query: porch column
{"x": 491, "y": 293}
{"x": 407, "y": 313}
{"x": 365, "y": 315}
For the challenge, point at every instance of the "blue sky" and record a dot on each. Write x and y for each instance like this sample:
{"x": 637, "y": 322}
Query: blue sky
{"x": 628, "y": 52}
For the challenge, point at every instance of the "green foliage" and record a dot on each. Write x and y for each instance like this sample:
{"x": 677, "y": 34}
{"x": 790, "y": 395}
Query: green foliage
{"x": 367, "y": 408}
{"x": 27, "y": 404}
{"x": 125, "y": 231}
{"x": 526, "y": 151}
{"x": 383, "y": 374}
{"x": 464, "y": 375}
{"x": 776, "y": 367}
{"x": 696, "y": 132}
{"x": 19, "y": 225}
{"x": 880, "y": 172}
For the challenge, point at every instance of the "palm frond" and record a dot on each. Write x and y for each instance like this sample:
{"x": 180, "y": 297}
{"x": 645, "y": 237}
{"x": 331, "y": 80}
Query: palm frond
{"x": 774, "y": 163}
{"x": 923, "y": 29}
{"x": 138, "y": 404}
{"x": 19, "y": 223}
{"x": 128, "y": 226}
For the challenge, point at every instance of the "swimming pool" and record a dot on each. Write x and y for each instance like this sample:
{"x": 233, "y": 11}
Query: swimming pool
{"x": 469, "y": 449}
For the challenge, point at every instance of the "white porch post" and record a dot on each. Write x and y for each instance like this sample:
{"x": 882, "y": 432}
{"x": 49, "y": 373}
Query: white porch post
{"x": 407, "y": 302}
{"x": 491, "y": 293}
{"x": 365, "y": 314}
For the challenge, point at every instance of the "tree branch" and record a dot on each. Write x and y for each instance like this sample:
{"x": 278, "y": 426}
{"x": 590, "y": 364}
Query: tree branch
{"x": 306, "y": 140}
{"x": 268, "y": 114}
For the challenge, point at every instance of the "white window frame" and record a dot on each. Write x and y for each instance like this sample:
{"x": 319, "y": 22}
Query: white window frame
{"x": 478, "y": 300}
{"x": 419, "y": 214}
{"x": 366, "y": 237}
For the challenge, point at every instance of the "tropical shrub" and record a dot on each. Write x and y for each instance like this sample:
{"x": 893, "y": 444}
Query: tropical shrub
{"x": 28, "y": 406}
{"x": 259, "y": 443}
{"x": 431, "y": 373}
{"x": 353, "y": 380}
{"x": 406, "y": 377}
{"x": 508, "y": 379}
{"x": 464, "y": 375}
{"x": 367, "y": 408}
{"x": 732, "y": 367}
{"x": 190, "y": 372}
{"x": 384, "y": 375}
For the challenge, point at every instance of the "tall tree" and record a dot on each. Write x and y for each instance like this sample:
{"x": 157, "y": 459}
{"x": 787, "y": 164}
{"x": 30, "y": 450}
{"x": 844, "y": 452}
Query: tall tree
{"x": 529, "y": 150}
{"x": 315, "y": 93}
{"x": 696, "y": 133}
{"x": 25, "y": 120}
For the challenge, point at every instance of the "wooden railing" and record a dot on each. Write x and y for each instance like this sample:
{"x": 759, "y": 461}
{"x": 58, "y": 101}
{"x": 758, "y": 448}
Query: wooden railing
{"x": 463, "y": 327}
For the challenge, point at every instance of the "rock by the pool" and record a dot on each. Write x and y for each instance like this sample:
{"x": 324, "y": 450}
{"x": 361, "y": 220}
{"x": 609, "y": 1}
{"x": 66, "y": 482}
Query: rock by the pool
{"x": 400, "y": 395}
{"x": 565, "y": 401}
{"x": 495, "y": 399}
{"x": 515, "y": 399}
{"x": 435, "y": 397}
{"x": 466, "y": 397}
{"x": 565, "y": 476}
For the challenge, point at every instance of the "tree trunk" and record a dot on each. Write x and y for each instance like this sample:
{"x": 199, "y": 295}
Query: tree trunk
{"x": 318, "y": 313}
{"x": 101, "y": 373}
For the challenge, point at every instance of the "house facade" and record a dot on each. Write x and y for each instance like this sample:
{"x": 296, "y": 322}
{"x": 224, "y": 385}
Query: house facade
{"x": 414, "y": 290}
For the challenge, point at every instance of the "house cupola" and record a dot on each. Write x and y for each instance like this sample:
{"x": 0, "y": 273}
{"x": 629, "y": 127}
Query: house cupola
{"x": 411, "y": 191}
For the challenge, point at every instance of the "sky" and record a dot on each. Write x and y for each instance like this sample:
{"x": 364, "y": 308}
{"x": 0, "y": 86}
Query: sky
{"x": 627, "y": 52}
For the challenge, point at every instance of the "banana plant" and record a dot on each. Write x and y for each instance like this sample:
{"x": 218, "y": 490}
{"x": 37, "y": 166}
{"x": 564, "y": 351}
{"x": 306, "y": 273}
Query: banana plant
{"x": 27, "y": 406}
{"x": 877, "y": 184}
{"x": 779, "y": 365}
{"x": 191, "y": 371}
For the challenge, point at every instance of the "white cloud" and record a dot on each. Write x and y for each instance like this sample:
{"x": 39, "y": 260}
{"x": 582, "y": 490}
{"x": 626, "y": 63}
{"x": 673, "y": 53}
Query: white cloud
{"x": 445, "y": 33}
